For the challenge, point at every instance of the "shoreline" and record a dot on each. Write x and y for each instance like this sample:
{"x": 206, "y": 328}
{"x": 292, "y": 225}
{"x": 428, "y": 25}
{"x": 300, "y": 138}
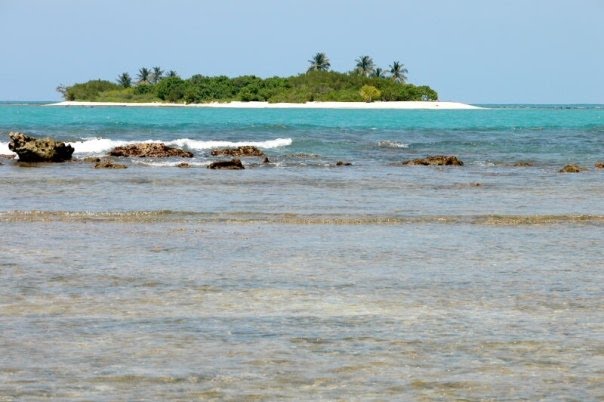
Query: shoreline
{"x": 405, "y": 105}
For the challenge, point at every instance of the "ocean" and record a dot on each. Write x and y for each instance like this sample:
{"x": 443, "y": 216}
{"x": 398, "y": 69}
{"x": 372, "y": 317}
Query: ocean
{"x": 300, "y": 279}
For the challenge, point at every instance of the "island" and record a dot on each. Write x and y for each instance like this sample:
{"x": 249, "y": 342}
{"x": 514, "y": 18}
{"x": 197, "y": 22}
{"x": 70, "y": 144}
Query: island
{"x": 365, "y": 86}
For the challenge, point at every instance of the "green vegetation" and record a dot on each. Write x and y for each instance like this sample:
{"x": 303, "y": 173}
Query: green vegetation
{"x": 365, "y": 83}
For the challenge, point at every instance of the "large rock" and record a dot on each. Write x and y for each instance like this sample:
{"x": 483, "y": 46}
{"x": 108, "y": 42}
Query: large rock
{"x": 32, "y": 149}
{"x": 599, "y": 165}
{"x": 151, "y": 150}
{"x": 234, "y": 164}
{"x": 245, "y": 150}
{"x": 436, "y": 160}
{"x": 574, "y": 168}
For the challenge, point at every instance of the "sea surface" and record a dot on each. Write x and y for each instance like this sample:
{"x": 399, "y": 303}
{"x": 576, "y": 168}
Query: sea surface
{"x": 299, "y": 279}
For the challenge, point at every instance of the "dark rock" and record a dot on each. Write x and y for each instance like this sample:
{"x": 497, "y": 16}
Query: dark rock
{"x": 108, "y": 164}
{"x": 572, "y": 169}
{"x": 183, "y": 165}
{"x": 234, "y": 164}
{"x": 266, "y": 160}
{"x": 342, "y": 163}
{"x": 599, "y": 165}
{"x": 524, "y": 164}
{"x": 436, "y": 160}
{"x": 32, "y": 149}
{"x": 151, "y": 150}
{"x": 91, "y": 159}
{"x": 245, "y": 150}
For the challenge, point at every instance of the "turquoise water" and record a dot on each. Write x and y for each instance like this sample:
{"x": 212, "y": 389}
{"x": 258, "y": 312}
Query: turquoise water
{"x": 300, "y": 279}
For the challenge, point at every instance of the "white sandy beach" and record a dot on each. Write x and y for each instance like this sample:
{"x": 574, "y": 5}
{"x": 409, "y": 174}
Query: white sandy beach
{"x": 309, "y": 105}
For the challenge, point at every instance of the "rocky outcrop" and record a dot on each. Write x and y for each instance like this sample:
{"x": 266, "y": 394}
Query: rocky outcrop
{"x": 572, "y": 169}
{"x": 342, "y": 163}
{"x": 234, "y": 164}
{"x": 32, "y": 149}
{"x": 183, "y": 165}
{"x": 436, "y": 160}
{"x": 150, "y": 150}
{"x": 245, "y": 150}
{"x": 108, "y": 164}
{"x": 599, "y": 165}
{"x": 523, "y": 164}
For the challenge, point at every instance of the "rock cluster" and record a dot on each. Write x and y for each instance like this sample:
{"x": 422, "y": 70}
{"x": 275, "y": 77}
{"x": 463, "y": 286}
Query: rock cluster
{"x": 436, "y": 160}
{"x": 599, "y": 165}
{"x": 150, "y": 150}
{"x": 32, "y": 149}
{"x": 109, "y": 164}
{"x": 234, "y": 164}
{"x": 245, "y": 150}
{"x": 572, "y": 169}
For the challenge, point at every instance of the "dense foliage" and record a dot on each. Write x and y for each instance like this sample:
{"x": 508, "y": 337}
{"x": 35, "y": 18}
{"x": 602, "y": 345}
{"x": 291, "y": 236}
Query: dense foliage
{"x": 318, "y": 84}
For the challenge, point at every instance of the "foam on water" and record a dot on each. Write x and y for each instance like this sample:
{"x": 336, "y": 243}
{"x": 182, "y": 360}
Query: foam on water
{"x": 392, "y": 144}
{"x": 102, "y": 145}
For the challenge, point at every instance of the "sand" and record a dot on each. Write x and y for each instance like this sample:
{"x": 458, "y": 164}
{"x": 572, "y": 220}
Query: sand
{"x": 437, "y": 105}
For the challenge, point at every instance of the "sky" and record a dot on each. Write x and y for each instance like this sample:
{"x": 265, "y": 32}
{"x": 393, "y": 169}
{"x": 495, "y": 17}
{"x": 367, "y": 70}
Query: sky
{"x": 474, "y": 51}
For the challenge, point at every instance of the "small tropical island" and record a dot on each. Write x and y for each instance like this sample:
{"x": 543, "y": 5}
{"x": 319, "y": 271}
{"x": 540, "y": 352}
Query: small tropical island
{"x": 364, "y": 83}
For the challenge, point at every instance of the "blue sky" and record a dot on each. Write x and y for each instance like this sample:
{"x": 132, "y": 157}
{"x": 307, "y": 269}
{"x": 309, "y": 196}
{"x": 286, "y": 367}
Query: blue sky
{"x": 477, "y": 51}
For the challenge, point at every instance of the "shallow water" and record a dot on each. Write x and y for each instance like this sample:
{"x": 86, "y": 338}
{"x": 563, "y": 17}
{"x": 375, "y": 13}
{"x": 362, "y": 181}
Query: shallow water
{"x": 302, "y": 280}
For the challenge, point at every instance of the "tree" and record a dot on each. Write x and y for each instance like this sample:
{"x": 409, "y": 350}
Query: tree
{"x": 319, "y": 62}
{"x": 124, "y": 80}
{"x": 369, "y": 93}
{"x": 157, "y": 75}
{"x": 171, "y": 74}
{"x": 378, "y": 73}
{"x": 398, "y": 72}
{"x": 143, "y": 75}
{"x": 364, "y": 65}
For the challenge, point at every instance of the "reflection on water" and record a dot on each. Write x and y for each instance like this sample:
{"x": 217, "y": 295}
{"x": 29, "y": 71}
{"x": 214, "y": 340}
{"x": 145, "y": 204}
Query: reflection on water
{"x": 184, "y": 308}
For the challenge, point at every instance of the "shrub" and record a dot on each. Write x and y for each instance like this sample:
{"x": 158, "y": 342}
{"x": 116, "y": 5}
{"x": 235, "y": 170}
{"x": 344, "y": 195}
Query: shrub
{"x": 369, "y": 93}
{"x": 171, "y": 89}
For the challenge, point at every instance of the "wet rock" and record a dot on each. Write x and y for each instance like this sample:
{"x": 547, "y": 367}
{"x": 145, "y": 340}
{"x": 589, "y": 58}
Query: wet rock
{"x": 91, "y": 159}
{"x": 599, "y": 165}
{"x": 108, "y": 164}
{"x": 183, "y": 165}
{"x": 150, "y": 150}
{"x": 524, "y": 164}
{"x": 245, "y": 150}
{"x": 32, "y": 149}
{"x": 436, "y": 160}
{"x": 266, "y": 160}
{"x": 342, "y": 163}
{"x": 234, "y": 164}
{"x": 573, "y": 168}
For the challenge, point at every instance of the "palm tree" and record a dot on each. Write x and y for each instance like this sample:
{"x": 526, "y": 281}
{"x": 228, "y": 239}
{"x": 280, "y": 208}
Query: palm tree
{"x": 378, "y": 73}
{"x": 143, "y": 75}
{"x": 398, "y": 72}
{"x": 365, "y": 65}
{"x": 319, "y": 62}
{"x": 124, "y": 80}
{"x": 171, "y": 74}
{"x": 156, "y": 76}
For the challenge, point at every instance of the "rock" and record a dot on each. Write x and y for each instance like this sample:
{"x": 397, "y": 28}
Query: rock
{"x": 599, "y": 165}
{"x": 91, "y": 159}
{"x": 437, "y": 160}
{"x": 107, "y": 164}
{"x": 572, "y": 169}
{"x": 342, "y": 163}
{"x": 266, "y": 160}
{"x": 524, "y": 164}
{"x": 234, "y": 164}
{"x": 32, "y": 149}
{"x": 151, "y": 150}
{"x": 183, "y": 165}
{"x": 245, "y": 150}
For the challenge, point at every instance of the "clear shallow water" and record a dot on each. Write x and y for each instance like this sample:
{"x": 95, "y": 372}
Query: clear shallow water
{"x": 302, "y": 280}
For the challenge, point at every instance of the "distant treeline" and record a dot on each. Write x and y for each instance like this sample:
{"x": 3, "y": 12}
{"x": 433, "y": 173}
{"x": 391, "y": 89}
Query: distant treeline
{"x": 365, "y": 83}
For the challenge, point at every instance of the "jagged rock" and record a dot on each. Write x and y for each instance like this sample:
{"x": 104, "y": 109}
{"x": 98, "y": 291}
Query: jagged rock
{"x": 266, "y": 160}
{"x": 107, "y": 164}
{"x": 436, "y": 160}
{"x": 234, "y": 164}
{"x": 572, "y": 169}
{"x": 599, "y": 165}
{"x": 245, "y": 150}
{"x": 524, "y": 164}
{"x": 151, "y": 150}
{"x": 32, "y": 149}
{"x": 183, "y": 165}
{"x": 342, "y": 163}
